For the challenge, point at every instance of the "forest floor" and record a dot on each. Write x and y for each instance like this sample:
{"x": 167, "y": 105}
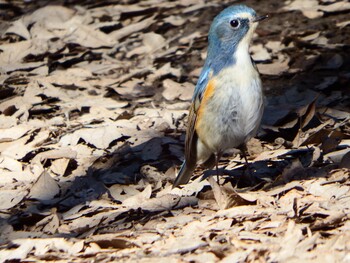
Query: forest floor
{"x": 94, "y": 100}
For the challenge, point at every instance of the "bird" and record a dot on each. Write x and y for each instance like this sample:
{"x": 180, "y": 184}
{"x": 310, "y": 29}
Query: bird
{"x": 227, "y": 103}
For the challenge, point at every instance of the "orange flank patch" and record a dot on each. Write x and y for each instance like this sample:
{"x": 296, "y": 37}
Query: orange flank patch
{"x": 208, "y": 93}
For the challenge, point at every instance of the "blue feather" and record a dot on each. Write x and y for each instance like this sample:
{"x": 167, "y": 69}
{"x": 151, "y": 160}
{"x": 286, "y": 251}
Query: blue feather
{"x": 201, "y": 85}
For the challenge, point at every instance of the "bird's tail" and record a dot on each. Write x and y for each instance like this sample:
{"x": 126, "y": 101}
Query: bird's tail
{"x": 184, "y": 175}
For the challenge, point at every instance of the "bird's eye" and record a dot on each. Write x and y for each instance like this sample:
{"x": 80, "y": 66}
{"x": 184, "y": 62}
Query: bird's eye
{"x": 234, "y": 23}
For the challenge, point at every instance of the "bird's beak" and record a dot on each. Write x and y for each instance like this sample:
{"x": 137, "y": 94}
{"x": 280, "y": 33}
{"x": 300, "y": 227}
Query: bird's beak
{"x": 260, "y": 18}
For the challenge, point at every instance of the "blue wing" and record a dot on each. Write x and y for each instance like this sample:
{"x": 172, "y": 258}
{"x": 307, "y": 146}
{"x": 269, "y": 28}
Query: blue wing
{"x": 200, "y": 87}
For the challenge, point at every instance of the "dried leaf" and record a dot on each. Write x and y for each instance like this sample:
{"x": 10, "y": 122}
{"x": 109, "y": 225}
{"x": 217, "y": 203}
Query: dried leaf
{"x": 226, "y": 197}
{"x": 108, "y": 241}
{"x": 152, "y": 150}
{"x": 45, "y": 188}
{"x": 132, "y": 28}
{"x": 276, "y": 67}
{"x": 10, "y": 198}
{"x": 139, "y": 199}
{"x": 174, "y": 90}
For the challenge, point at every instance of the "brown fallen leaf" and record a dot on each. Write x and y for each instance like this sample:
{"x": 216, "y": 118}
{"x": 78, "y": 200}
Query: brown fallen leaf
{"x": 337, "y": 156}
{"x": 273, "y": 154}
{"x": 12, "y": 150}
{"x": 19, "y": 28}
{"x": 260, "y": 53}
{"x": 189, "y": 189}
{"x": 152, "y": 149}
{"x": 49, "y": 224}
{"x": 151, "y": 43}
{"x": 328, "y": 191}
{"x": 226, "y": 197}
{"x": 308, "y": 8}
{"x": 335, "y": 7}
{"x": 178, "y": 245}
{"x": 45, "y": 188}
{"x": 10, "y": 198}
{"x": 202, "y": 257}
{"x": 345, "y": 161}
{"x": 276, "y": 67}
{"x": 100, "y": 136}
{"x": 14, "y": 52}
{"x": 343, "y": 24}
{"x": 122, "y": 192}
{"x": 175, "y": 20}
{"x": 108, "y": 241}
{"x": 139, "y": 199}
{"x": 10, "y": 164}
{"x": 132, "y": 28}
{"x": 331, "y": 221}
{"x": 174, "y": 90}
{"x": 291, "y": 238}
{"x": 49, "y": 14}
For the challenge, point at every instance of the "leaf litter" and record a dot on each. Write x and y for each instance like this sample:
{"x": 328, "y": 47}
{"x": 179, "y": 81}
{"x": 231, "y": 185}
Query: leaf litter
{"x": 93, "y": 107}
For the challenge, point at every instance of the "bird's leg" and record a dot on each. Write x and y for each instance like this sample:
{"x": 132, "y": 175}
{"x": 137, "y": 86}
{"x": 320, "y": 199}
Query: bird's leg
{"x": 243, "y": 149}
{"x": 217, "y": 167}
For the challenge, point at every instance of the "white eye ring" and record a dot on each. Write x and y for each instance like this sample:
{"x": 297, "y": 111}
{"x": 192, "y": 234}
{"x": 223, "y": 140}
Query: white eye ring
{"x": 234, "y": 23}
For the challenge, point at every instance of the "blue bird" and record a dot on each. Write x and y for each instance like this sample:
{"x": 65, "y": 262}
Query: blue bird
{"x": 227, "y": 104}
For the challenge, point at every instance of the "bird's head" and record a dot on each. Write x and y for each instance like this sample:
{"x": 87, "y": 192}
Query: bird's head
{"x": 234, "y": 26}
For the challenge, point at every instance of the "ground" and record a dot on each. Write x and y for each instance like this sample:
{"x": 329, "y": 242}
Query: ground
{"x": 94, "y": 102}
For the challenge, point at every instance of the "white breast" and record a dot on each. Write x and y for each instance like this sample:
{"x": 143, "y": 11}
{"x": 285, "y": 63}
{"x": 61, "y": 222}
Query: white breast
{"x": 236, "y": 107}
